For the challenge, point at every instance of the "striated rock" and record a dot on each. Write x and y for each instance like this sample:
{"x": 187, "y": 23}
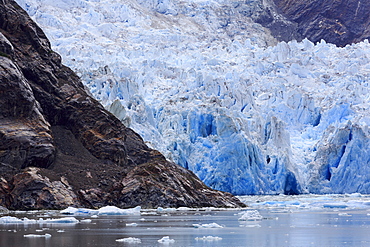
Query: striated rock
{"x": 25, "y": 135}
{"x": 59, "y": 147}
{"x": 162, "y": 183}
{"x": 340, "y": 22}
{"x": 4, "y": 191}
{"x": 32, "y": 190}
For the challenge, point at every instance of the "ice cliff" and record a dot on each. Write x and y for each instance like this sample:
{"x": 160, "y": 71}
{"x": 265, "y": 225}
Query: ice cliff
{"x": 59, "y": 147}
{"x": 214, "y": 92}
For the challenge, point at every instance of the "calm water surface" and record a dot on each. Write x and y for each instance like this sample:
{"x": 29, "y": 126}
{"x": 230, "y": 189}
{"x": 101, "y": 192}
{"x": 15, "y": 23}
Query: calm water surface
{"x": 280, "y": 226}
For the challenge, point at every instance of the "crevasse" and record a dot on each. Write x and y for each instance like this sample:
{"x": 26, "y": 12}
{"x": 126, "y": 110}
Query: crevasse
{"x": 210, "y": 89}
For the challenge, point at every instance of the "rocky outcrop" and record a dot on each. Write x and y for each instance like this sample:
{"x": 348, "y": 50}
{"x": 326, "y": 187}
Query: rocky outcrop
{"x": 340, "y": 22}
{"x": 59, "y": 147}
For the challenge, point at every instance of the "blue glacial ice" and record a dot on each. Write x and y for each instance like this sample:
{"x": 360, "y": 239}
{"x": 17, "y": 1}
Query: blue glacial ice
{"x": 246, "y": 114}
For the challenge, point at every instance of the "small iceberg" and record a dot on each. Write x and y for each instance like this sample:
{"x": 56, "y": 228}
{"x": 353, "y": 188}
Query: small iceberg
{"x": 15, "y": 220}
{"x": 47, "y": 235}
{"x": 166, "y": 210}
{"x": 66, "y": 220}
{"x": 107, "y": 210}
{"x": 131, "y": 224}
{"x": 130, "y": 240}
{"x": 208, "y": 238}
{"x": 251, "y": 215}
{"x": 112, "y": 210}
{"x": 166, "y": 240}
{"x": 211, "y": 225}
{"x": 78, "y": 211}
{"x": 86, "y": 221}
{"x": 344, "y": 214}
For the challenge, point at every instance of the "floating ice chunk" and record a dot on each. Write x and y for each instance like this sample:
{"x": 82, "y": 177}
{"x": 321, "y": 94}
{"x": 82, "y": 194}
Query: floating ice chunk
{"x": 184, "y": 209}
{"x": 107, "y": 210}
{"x": 129, "y": 240}
{"x": 354, "y": 195}
{"x": 211, "y": 225}
{"x": 165, "y": 210}
{"x": 112, "y": 210}
{"x": 251, "y": 215}
{"x": 344, "y": 214}
{"x": 15, "y": 220}
{"x": 66, "y": 220}
{"x": 10, "y": 220}
{"x": 208, "y": 238}
{"x": 131, "y": 224}
{"x": 78, "y": 211}
{"x": 86, "y": 221}
{"x": 47, "y": 235}
{"x": 29, "y": 221}
{"x": 166, "y": 240}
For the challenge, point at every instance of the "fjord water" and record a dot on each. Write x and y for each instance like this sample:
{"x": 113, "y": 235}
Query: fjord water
{"x": 286, "y": 221}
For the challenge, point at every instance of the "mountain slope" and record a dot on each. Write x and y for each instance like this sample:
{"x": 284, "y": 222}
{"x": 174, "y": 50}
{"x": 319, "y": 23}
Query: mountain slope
{"x": 338, "y": 22}
{"x": 60, "y": 147}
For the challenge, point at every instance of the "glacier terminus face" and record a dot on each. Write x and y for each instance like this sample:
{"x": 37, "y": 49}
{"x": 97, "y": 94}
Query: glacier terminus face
{"x": 215, "y": 93}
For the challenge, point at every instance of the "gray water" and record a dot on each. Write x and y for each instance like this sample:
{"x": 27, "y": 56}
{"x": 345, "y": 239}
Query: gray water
{"x": 277, "y": 228}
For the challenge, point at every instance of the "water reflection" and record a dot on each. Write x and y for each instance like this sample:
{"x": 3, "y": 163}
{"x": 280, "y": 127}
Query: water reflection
{"x": 277, "y": 226}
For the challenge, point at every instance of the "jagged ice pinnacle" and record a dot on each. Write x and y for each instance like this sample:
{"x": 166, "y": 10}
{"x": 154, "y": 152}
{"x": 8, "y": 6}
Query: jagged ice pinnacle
{"x": 214, "y": 92}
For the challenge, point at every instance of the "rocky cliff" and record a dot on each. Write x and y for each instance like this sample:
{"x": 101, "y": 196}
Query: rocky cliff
{"x": 59, "y": 147}
{"x": 340, "y": 22}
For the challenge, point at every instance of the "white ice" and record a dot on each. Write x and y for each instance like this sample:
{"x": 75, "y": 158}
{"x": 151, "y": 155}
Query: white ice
{"x": 47, "y": 235}
{"x": 129, "y": 240}
{"x": 107, "y": 210}
{"x": 166, "y": 240}
{"x": 210, "y": 225}
{"x": 251, "y": 215}
{"x": 214, "y": 92}
{"x": 131, "y": 224}
{"x": 15, "y": 220}
{"x": 208, "y": 238}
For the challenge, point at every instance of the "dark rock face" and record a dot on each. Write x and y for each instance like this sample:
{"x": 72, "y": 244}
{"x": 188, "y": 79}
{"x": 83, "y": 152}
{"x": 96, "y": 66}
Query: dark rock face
{"x": 59, "y": 147}
{"x": 340, "y": 22}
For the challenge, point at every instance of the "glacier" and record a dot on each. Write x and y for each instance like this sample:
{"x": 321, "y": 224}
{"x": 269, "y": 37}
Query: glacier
{"x": 216, "y": 93}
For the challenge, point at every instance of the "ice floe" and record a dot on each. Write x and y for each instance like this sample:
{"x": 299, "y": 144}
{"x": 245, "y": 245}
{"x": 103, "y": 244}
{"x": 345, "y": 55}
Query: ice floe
{"x": 166, "y": 240}
{"x": 129, "y": 240}
{"x": 251, "y": 215}
{"x": 47, "y": 235}
{"x": 208, "y": 238}
{"x": 15, "y": 220}
{"x": 107, "y": 210}
{"x": 210, "y": 225}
